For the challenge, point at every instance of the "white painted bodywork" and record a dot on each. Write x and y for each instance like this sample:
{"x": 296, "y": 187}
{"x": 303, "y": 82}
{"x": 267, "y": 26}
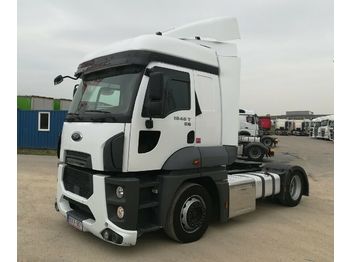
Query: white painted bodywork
{"x": 97, "y": 205}
{"x": 280, "y": 123}
{"x": 173, "y": 133}
{"x": 94, "y": 137}
{"x": 316, "y": 123}
{"x": 245, "y": 126}
{"x": 218, "y": 29}
{"x": 324, "y": 130}
{"x": 208, "y": 92}
{"x": 297, "y": 124}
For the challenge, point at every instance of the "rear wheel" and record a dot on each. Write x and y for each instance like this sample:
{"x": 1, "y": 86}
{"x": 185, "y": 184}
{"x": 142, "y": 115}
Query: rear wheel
{"x": 255, "y": 153}
{"x": 267, "y": 141}
{"x": 189, "y": 214}
{"x": 291, "y": 194}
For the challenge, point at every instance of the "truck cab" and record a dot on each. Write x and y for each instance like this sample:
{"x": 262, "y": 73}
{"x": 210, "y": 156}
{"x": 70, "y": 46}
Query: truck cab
{"x": 326, "y": 129}
{"x": 315, "y": 125}
{"x": 249, "y": 123}
{"x": 305, "y": 127}
{"x": 282, "y": 126}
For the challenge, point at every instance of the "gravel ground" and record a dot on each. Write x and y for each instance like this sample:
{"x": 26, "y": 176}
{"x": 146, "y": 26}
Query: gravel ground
{"x": 271, "y": 233}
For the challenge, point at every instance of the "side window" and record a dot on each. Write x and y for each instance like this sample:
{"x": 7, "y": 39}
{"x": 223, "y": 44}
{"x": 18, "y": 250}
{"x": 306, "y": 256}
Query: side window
{"x": 250, "y": 119}
{"x": 44, "y": 121}
{"x": 177, "y": 96}
{"x": 176, "y": 92}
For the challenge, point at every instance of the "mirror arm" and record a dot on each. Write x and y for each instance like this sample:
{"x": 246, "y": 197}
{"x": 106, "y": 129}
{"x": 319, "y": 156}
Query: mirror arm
{"x": 73, "y": 78}
{"x": 149, "y": 123}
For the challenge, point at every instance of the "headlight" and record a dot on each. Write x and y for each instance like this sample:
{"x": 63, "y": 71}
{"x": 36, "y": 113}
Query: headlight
{"x": 120, "y": 212}
{"x": 119, "y": 192}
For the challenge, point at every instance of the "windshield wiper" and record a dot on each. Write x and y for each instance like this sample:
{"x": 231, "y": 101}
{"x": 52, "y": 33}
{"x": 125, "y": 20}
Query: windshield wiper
{"x": 97, "y": 111}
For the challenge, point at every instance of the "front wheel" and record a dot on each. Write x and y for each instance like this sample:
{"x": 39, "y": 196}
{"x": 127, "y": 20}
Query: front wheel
{"x": 189, "y": 213}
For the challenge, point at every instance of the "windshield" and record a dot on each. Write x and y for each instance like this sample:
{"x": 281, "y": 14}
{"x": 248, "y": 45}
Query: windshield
{"x": 324, "y": 123}
{"x": 107, "y": 95}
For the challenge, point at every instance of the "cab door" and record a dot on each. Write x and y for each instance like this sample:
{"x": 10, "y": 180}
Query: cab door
{"x": 154, "y": 138}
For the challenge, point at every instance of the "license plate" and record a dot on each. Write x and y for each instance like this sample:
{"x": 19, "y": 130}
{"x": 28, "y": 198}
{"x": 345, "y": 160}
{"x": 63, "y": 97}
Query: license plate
{"x": 75, "y": 222}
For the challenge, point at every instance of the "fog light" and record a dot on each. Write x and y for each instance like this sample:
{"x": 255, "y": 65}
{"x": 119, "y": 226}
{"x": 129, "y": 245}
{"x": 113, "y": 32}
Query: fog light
{"x": 119, "y": 192}
{"x": 105, "y": 234}
{"x": 120, "y": 212}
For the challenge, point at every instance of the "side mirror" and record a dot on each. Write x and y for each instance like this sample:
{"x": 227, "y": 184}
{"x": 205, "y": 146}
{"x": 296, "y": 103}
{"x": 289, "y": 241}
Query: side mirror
{"x": 155, "y": 96}
{"x": 58, "y": 80}
{"x": 155, "y": 86}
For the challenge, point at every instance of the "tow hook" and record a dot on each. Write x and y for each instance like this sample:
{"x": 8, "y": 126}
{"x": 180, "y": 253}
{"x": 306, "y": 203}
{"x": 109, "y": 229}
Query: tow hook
{"x": 56, "y": 206}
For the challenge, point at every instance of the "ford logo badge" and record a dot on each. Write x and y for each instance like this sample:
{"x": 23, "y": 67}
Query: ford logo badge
{"x": 76, "y": 136}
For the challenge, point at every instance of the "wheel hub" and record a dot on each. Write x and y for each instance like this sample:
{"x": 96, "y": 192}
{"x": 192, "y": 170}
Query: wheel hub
{"x": 192, "y": 214}
{"x": 295, "y": 187}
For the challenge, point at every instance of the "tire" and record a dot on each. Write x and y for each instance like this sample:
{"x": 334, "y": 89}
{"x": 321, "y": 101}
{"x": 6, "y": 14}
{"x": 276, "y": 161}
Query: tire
{"x": 255, "y": 153}
{"x": 189, "y": 214}
{"x": 267, "y": 141}
{"x": 277, "y": 132}
{"x": 293, "y": 191}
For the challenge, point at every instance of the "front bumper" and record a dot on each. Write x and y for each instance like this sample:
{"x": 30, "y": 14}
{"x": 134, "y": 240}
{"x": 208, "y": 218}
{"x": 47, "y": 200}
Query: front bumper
{"x": 97, "y": 205}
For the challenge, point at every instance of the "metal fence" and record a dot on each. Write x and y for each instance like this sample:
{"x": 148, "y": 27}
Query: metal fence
{"x": 30, "y": 133}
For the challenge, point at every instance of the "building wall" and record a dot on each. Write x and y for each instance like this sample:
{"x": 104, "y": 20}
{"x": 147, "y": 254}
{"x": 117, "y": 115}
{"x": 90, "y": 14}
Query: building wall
{"x": 65, "y": 104}
{"x": 42, "y": 103}
{"x": 299, "y": 113}
{"x": 28, "y": 135}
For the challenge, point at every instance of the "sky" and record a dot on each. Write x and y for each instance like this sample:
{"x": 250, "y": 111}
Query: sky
{"x": 286, "y": 47}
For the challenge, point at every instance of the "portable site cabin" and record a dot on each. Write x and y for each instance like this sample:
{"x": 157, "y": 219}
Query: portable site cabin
{"x": 40, "y": 121}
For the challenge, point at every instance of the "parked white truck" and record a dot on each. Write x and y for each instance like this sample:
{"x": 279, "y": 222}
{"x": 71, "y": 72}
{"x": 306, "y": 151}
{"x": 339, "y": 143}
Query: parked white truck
{"x": 249, "y": 131}
{"x": 315, "y": 125}
{"x": 150, "y": 133}
{"x": 248, "y": 122}
{"x": 326, "y": 129}
{"x": 283, "y": 126}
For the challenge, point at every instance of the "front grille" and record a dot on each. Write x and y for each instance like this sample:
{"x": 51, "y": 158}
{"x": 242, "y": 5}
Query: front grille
{"x": 78, "y": 159}
{"x": 78, "y": 181}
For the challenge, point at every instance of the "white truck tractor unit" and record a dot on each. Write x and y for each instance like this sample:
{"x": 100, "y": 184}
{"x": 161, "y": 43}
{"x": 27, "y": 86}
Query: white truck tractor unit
{"x": 315, "y": 125}
{"x": 326, "y": 129}
{"x": 150, "y": 134}
{"x": 283, "y": 127}
{"x": 249, "y": 131}
{"x": 305, "y": 127}
{"x": 297, "y": 127}
{"x": 248, "y": 122}
{"x": 252, "y": 149}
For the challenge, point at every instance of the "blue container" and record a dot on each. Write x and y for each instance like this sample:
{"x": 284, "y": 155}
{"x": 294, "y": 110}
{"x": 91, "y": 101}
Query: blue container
{"x": 29, "y": 134}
